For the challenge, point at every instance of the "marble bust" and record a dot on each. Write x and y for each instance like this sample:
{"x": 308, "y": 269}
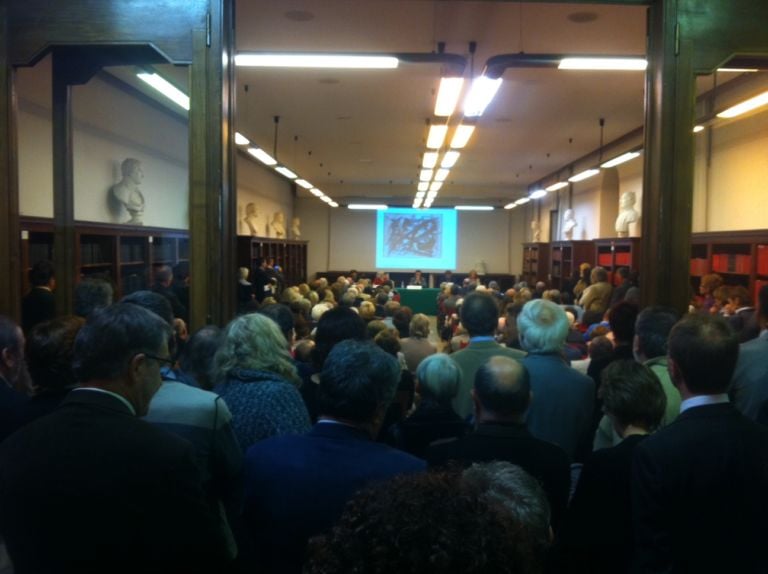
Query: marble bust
{"x": 296, "y": 227}
{"x": 278, "y": 224}
{"x": 535, "y": 230}
{"x": 127, "y": 193}
{"x": 627, "y": 213}
{"x": 569, "y": 224}
{"x": 250, "y": 221}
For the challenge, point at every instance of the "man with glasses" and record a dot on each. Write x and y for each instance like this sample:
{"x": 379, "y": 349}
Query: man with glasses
{"x": 91, "y": 487}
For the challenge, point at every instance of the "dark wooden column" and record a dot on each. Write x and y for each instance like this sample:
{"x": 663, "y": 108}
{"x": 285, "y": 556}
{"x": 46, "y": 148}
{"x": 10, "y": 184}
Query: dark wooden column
{"x": 10, "y": 247}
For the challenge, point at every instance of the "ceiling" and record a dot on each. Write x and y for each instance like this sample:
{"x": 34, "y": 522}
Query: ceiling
{"x": 360, "y": 134}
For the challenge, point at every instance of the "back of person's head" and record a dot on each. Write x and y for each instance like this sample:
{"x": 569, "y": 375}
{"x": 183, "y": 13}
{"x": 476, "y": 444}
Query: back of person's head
{"x": 302, "y": 352}
{"x": 49, "y": 352}
{"x": 480, "y": 314}
{"x": 542, "y": 327}
{"x": 253, "y": 342}
{"x": 151, "y": 301}
{"x": 632, "y": 395}
{"x": 281, "y": 315}
{"x": 509, "y": 488}
{"x": 334, "y": 326}
{"x": 503, "y": 387}
{"x": 112, "y": 336}
{"x": 419, "y": 326}
{"x": 402, "y": 320}
{"x": 92, "y": 294}
{"x": 623, "y": 273}
{"x": 741, "y": 294}
{"x": 704, "y": 350}
{"x": 652, "y": 330}
{"x": 391, "y": 308}
{"x": 163, "y": 274}
{"x": 375, "y": 327}
{"x": 439, "y": 377}
{"x": 367, "y": 310}
{"x": 357, "y": 382}
{"x": 41, "y": 273}
{"x": 197, "y": 355}
{"x": 600, "y": 347}
{"x": 598, "y": 275}
{"x": 181, "y": 271}
{"x": 710, "y": 282}
{"x": 622, "y": 317}
{"x": 453, "y": 527}
{"x": 382, "y": 298}
{"x": 388, "y": 341}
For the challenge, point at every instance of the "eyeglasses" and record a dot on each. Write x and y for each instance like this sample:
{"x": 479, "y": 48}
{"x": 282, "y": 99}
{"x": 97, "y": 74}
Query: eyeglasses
{"x": 166, "y": 360}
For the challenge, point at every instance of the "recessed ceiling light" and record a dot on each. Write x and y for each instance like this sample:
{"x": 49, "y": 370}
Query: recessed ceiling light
{"x": 240, "y": 139}
{"x": 435, "y": 186}
{"x": 556, "y": 186}
{"x": 510, "y": 205}
{"x": 442, "y": 174}
{"x": 304, "y": 183}
{"x": 429, "y": 160}
{"x": 166, "y": 88}
{"x": 425, "y": 175}
{"x": 436, "y": 136}
{"x": 449, "y": 159}
{"x": 262, "y": 156}
{"x": 447, "y": 96}
{"x": 461, "y": 136}
{"x": 316, "y": 192}
{"x": 480, "y": 95}
{"x": 625, "y": 157}
{"x": 539, "y": 193}
{"x": 584, "y": 175}
{"x": 522, "y": 200}
{"x": 423, "y": 186}
{"x": 281, "y": 169}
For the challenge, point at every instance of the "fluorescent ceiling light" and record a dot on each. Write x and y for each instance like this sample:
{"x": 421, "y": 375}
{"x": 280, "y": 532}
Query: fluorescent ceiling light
{"x": 461, "y": 136}
{"x": 448, "y": 95}
{"x": 738, "y": 70}
{"x": 425, "y": 175}
{"x": 538, "y": 193}
{"x": 304, "y": 183}
{"x": 625, "y": 157}
{"x": 697, "y": 129}
{"x": 510, "y": 205}
{"x": 474, "y": 208}
{"x": 436, "y": 136}
{"x": 367, "y": 206}
{"x": 584, "y": 175}
{"x": 326, "y": 199}
{"x": 442, "y": 174}
{"x": 430, "y": 160}
{"x": 745, "y": 106}
{"x": 316, "y": 61}
{"x": 435, "y": 186}
{"x": 639, "y": 64}
{"x": 262, "y": 156}
{"x": 449, "y": 159}
{"x": 286, "y": 172}
{"x": 316, "y": 192}
{"x": 423, "y": 186}
{"x": 166, "y": 88}
{"x": 333, "y": 204}
{"x": 480, "y": 95}
{"x": 556, "y": 186}
{"x": 522, "y": 200}
{"x": 420, "y": 194}
{"x": 416, "y": 203}
{"x": 240, "y": 139}
{"x": 431, "y": 195}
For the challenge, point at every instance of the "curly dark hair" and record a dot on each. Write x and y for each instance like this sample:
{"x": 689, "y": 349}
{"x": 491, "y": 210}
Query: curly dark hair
{"x": 425, "y": 523}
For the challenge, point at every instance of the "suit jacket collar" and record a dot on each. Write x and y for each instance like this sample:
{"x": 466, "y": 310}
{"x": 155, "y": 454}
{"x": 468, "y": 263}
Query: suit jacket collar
{"x": 96, "y": 399}
{"x": 708, "y": 411}
{"x": 482, "y": 345}
{"x": 500, "y": 429}
{"x": 338, "y": 431}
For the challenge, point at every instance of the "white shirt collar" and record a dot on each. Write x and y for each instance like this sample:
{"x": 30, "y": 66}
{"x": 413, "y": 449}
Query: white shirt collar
{"x": 700, "y": 400}
{"x": 119, "y": 397}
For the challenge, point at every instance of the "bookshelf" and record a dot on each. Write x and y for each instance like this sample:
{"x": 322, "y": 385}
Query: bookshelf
{"x": 618, "y": 252}
{"x": 289, "y": 254}
{"x": 565, "y": 258}
{"x": 535, "y": 262}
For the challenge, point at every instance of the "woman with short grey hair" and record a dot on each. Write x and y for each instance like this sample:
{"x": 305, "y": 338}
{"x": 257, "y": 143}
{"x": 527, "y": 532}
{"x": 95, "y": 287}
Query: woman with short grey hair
{"x": 416, "y": 347}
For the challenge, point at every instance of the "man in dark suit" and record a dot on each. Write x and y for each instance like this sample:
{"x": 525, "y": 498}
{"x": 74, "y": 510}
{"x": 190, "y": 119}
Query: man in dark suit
{"x": 501, "y": 395}
{"x": 564, "y": 399}
{"x": 91, "y": 488}
{"x": 39, "y": 304}
{"x": 749, "y": 387}
{"x": 700, "y": 485}
{"x": 12, "y": 372}
{"x": 297, "y": 485}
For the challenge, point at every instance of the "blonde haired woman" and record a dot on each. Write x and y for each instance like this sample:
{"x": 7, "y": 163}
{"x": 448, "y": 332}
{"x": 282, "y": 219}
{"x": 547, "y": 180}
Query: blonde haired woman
{"x": 255, "y": 375}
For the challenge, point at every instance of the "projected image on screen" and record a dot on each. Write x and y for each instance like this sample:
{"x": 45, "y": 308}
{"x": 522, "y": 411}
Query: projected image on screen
{"x": 416, "y": 239}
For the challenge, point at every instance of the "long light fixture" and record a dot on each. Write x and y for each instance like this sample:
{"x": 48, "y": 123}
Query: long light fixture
{"x": 738, "y": 70}
{"x": 166, "y": 88}
{"x": 511, "y": 205}
{"x": 304, "y": 183}
{"x": 448, "y": 96}
{"x": 282, "y": 170}
{"x": 522, "y": 201}
{"x": 316, "y": 61}
{"x": 556, "y": 186}
{"x": 333, "y": 204}
{"x": 262, "y": 156}
{"x": 436, "y": 136}
{"x": 697, "y": 129}
{"x": 461, "y": 136}
{"x": 377, "y": 206}
{"x": 480, "y": 95}
{"x": 449, "y": 159}
{"x": 745, "y": 106}
{"x": 586, "y": 174}
{"x": 432, "y": 194}
{"x": 420, "y": 194}
{"x": 538, "y": 194}
{"x": 325, "y": 198}
{"x": 425, "y": 175}
{"x": 442, "y": 174}
{"x": 240, "y": 139}
{"x": 417, "y": 203}
{"x": 423, "y": 186}
{"x": 435, "y": 186}
{"x": 473, "y": 208}
{"x": 629, "y": 64}
{"x": 316, "y": 192}
{"x": 623, "y": 158}
{"x": 429, "y": 160}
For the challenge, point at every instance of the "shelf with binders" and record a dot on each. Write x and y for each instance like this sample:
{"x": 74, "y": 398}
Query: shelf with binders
{"x": 535, "y": 262}
{"x": 565, "y": 258}
{"x": 617, "y": 252}
{"x": 289, "y": 254}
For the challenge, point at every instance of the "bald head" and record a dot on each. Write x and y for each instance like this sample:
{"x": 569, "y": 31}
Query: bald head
{"x": 502, "y": 389}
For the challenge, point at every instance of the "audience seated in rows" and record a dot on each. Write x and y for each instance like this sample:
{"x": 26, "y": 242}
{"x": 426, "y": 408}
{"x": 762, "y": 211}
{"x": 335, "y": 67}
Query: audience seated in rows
{"x": 416, "y": 346}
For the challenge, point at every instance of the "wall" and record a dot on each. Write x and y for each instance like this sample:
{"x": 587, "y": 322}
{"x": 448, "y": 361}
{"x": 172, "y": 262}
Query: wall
{"x": 269, "y": 191}
{"x": 110, "y": 124}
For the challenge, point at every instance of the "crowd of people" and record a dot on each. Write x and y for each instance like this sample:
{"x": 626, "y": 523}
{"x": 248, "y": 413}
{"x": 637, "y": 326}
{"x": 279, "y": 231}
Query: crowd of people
{"x": 328, "y": 429}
